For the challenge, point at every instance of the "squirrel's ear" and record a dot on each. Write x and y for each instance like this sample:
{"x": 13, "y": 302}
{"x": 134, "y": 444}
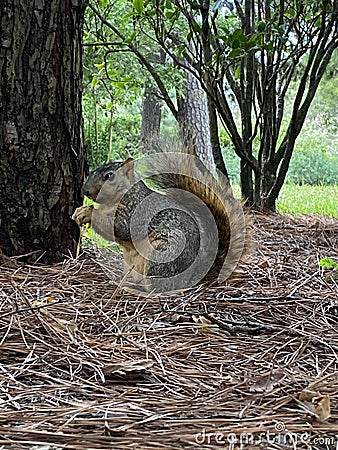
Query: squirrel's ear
{"x": 128, "y": 166}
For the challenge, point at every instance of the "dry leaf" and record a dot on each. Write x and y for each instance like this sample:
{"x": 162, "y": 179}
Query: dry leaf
{"x": 178, "y": 318}
{"x": 317, "y": 404}
{"x": 208, "y": 326}
{"x": 136, "y": 366}
{"x": 266, "y": 383}
{"x": 201, "y": 319}
{"x": 43, "y": 301}
{"x": 62, "y": 324}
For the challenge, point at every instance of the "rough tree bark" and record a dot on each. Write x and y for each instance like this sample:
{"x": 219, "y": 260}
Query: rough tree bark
{"x": 151, "y": 108}
{"x": 151, "y": 119}
{"x": 193, "y": 119}
{"x": 42, "y": 154}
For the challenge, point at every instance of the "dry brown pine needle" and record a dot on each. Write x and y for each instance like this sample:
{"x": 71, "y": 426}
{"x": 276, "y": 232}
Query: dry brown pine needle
{"x": 84, "y": 365}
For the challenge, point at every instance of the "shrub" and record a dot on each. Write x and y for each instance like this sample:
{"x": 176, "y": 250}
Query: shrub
{"x": 123, "y": 131}
{"x": 230, "y": 158}
{"x": 313, "y": 166}
{"x": 314, "y": 161}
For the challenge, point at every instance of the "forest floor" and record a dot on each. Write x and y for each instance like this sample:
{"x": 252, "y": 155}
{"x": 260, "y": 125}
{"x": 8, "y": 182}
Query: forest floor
{"x": 248, "y": 366}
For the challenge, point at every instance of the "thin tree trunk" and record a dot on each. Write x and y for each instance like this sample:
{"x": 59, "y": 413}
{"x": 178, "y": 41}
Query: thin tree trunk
{"x": 210, "y": 87}
{"x": 110, "y": 148}
{"x": 214, "y": 138}
{"x": 42, "y": 156}
{"x": 151, "y": 119}
{"x": 193, "y": 118}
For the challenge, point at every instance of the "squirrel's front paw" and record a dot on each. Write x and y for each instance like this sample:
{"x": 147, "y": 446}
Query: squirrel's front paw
{"x": 83, "y": 215}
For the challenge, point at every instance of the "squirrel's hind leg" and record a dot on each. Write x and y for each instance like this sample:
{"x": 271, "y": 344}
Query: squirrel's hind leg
{"x": 170, "y": 258}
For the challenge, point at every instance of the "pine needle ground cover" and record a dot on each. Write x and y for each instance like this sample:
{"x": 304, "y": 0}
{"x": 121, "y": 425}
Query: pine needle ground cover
{"x": 252, "y": 365}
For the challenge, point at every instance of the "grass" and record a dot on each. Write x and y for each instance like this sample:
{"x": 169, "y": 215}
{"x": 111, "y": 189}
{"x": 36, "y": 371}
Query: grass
{"x": 306, "y": 199}
{"x": 91, "y": 238}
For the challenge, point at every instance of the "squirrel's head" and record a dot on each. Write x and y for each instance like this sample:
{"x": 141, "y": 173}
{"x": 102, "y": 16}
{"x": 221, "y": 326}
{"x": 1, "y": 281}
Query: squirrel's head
{"x": 109, "y": 183}
{"x": 98, "y": 177}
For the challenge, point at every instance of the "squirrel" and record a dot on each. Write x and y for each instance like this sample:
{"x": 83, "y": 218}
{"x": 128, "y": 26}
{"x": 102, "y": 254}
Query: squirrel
{"x": 194, "y": 231}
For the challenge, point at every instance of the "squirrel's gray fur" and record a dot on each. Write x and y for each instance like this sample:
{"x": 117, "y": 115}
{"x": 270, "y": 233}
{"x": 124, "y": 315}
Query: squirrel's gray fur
{"x": 164, "y": 233}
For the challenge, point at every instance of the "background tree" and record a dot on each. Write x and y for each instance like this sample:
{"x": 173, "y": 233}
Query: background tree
{"x": 151, "y": 110}
{"x": 181, "y": 92}
{"x": 151, "y": 119}
{"x": 245, "y": 56}
{"x": 42, "y": 157}
{"x": 193, "y": 119}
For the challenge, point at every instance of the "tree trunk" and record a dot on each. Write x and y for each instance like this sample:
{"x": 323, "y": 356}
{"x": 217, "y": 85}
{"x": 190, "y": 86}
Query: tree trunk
{"x": 214, "y": 138}
{"x": 209, "y": 84}
{"x": 42, "y": 156}
{"x": 152, "y": 108}
{"x": 151, "y": 119}
{"x": 193, "y": 118}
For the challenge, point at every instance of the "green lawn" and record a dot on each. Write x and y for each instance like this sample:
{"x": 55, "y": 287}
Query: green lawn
{"x": 322, "y": 200}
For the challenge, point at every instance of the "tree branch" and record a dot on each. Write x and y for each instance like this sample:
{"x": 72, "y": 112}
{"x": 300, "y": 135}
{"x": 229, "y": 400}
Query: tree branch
{"x": 142, "y": 59}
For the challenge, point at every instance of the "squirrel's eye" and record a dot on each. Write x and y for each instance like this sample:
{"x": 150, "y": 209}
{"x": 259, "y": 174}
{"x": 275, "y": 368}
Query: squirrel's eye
{"x": 108, "y": 175}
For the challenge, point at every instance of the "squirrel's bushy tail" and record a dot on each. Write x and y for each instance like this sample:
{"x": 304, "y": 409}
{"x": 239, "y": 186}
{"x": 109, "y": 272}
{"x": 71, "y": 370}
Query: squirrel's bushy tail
{"x": 174, "y": 169}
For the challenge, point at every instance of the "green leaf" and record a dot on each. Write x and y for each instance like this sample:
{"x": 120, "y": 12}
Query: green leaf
{"x": 180, "y": 50}
{"x": 119, "y": 84}
{"x": 290, "y": 13}
{"x": 236, "y": 43}
{"x": 103, "y": 3}
{"x": 254, "y": 43}
{"x": 130, "y": 38}
{"x": 138, "y": 5}
{"x": 94, "y": 82}
{"x": 173, "y": 15}
{"x": 318, "y": 23}
{"x": 269, "y": 47}
{"x": 261, "y": 26}
{"x": 235, "y": 53}
{"x": 238, "y": 35}
{"x": 328, "y": 263}
{"x": 127, "y": 16}
{"x": 196, "y": 27}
